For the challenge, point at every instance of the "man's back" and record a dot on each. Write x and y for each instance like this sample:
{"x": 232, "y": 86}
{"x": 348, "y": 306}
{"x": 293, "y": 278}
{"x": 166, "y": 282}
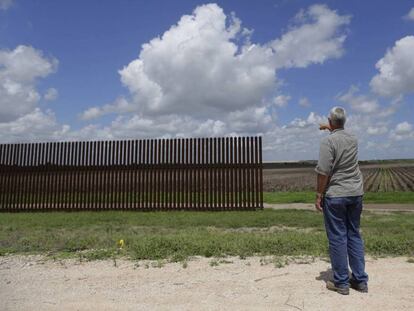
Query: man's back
{"x": 339, "y": 160}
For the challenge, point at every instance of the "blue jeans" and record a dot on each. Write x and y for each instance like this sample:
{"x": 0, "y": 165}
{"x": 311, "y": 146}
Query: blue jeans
{"x": 342, "y": 218}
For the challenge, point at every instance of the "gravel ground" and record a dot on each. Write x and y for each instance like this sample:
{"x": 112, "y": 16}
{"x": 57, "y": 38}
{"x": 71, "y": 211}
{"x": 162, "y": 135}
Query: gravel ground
{"x": 35, "y": 283}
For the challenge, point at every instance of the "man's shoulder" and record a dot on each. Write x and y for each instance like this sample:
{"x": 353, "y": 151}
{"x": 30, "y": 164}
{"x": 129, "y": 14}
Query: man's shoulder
{"x": 341, "y": 134}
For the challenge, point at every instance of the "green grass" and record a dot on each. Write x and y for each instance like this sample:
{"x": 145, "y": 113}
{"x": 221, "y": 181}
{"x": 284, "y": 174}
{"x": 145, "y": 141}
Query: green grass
{"x": 309, "y": 197}
{"x": 178, "y": 235}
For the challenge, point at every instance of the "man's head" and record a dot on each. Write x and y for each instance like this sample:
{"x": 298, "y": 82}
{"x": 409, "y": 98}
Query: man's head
{"x": 337, "y": 117}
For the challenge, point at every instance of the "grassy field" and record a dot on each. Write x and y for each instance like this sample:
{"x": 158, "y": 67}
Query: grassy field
{"x": 177, "y": 235}
{"x": 309, "y": 197}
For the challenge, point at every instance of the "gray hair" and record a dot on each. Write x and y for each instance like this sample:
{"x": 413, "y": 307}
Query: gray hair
{"x": 337, "y": 116}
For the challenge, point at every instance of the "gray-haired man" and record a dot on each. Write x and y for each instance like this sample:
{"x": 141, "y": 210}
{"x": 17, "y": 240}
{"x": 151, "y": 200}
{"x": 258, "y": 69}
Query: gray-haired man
{"x": 339, "y": 196}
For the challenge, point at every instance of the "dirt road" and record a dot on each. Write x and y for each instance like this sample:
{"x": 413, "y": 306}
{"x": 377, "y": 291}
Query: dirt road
{"x": 31, "y": 283}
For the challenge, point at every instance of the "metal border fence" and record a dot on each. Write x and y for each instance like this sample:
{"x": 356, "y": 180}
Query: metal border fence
{"x": 219, "y": 173}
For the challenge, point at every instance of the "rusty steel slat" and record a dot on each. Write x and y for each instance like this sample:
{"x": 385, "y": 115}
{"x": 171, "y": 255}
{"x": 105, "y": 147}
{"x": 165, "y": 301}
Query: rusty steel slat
{"x": 40, "y": 184}
{"x": 130, "y": 170}
{"x": 208, "y": 172}
{"x": 54, "y": 175}
{"x": 174, "y": 170}
{"x": 29, "y": 190}
{"x": 52, "y": 182}
{"x": 42, "y": 176}
{"x": 28, "y": 176}
{"x": 18, "y": 194}
{"x": 140, "y": 174}
{"x": 95, "y": 187}
{"x": 151, "y": 173}
{"x": 81, "y": 168}
{"x": 199, "y": 176}
{"x": 190, "y": 173}
{"x": 182, "y": 173}
{"x": 107, "y": 176}
{"x": 75, "y": 170}
{"x": 169, "y": 176}
{"x": 163, "y": 174}
{"x": 69, "y": 176}
{"x": 60, "y": 176}
{"x": 159, "y": 174}
{"x": 203, "y": 174}
{"x": 244, "y": 173}
{"x": 115, "y": 183}
{"x": 3, "y": 171}
{"x": 78, "y": 177}
{"x": 157, "y": 146}
{"x": 253, "y": 187}
{"x": 260, "y": 172}
{"x": 47, "y": 176}
{"x": 256, "y": 171}
{"x": 24, "y": 175}
{"x": 214, "y": 171}
{"x": 63, "y": 177}
{"x": 186, "y": 173}
{"x": 134, "y": 179}
{"x": 177, "y": 174}
{"x": 149, "y": 176}
{"x": 248, "y": 147}
{"x": 23, "y": 178}
{"x": 227, "y": 175}
{"x": 230, "y": 172}
{"x": 14, "y": 179}
{"x": 2, "y": 176}
{"x": 12, "y": 176}
{"x": 88, "y": 175}
{"x": 99, "y": 173}
{"x": 222, "y": 174}
{"x": 104, "y": 176}
{"x": 35, "y": 181}
{"x": 110, "y": 175}
{"x": 145, "y": 154}
{"x": 7, "y": 178}
{"x": 144, "y": 175}
{"x": 120, "y": 181}
{"x": 241, "y": 181}
{"x": 217, "y": 155}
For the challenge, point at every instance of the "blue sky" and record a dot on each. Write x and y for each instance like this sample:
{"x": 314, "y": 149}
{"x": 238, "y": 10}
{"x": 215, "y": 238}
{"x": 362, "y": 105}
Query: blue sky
{"x": 78, "y": 70}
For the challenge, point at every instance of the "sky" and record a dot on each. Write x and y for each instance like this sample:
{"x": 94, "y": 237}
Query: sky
{"x": 123, "y": 69}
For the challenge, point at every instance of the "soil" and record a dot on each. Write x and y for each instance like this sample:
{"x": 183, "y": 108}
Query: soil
{"x": 36, "y": 283}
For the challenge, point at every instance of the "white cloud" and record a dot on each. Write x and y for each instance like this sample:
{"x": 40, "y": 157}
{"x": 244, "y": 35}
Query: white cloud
{"x": 396, "y": 70}
{"x": 120, "y": 105}
{"x": 377, "y": 130}
{"x": 206, "y": 65}
{"x": 410, "y": 15}
{"x": 5, "y": 4}
{"x": 359, "y": 103}
{"x": 51, "y": 94}
{"x": 402, "y": 131}
{"x": 317, "y": 37}
{"x": 403, "y": 128}
{"x": 304, "y": 102}
{"x": 197, "y": 68}
{"x": 20, "y": 69}
{"x": 281, "y": 100}
{"x": 34, "y": 126}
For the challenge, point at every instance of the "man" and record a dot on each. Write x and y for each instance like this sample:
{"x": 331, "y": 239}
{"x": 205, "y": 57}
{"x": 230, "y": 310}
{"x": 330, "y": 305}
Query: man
{"x": 339, "y": 197}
